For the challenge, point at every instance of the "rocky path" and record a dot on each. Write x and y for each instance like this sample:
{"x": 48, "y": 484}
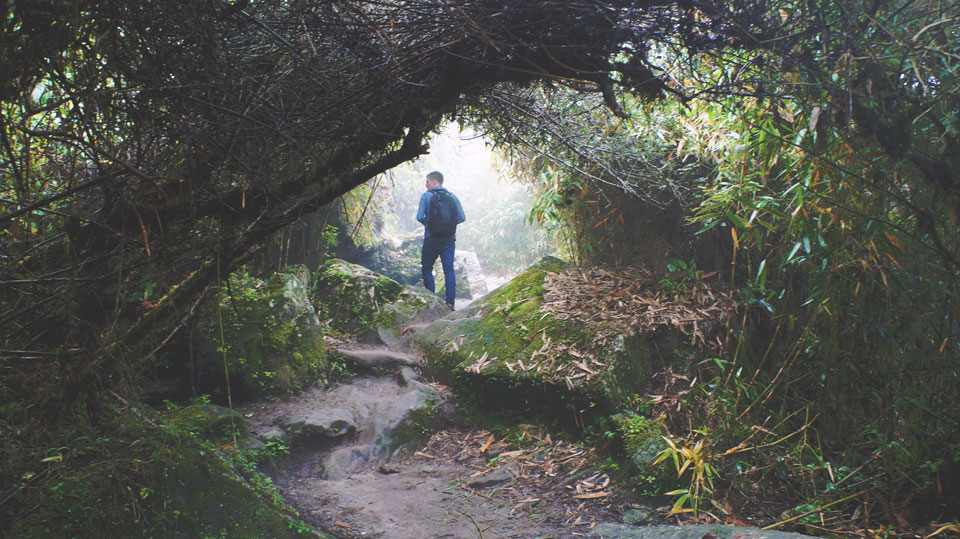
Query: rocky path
{"x": 362, "y": 464}
{"x": 356, "y": 468}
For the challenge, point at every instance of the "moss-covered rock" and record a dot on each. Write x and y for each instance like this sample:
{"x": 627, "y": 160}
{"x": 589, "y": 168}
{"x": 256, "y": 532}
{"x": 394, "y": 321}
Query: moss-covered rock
{"x": 400, "y": 261}
{"x": 362, "y": 302}
{"x": 505, "y": 336}
{"x": 145, "y": 481}
{"x": 272, "y": 338}
{"x": 643, "y": 440}
{"x": 210, "y": 421}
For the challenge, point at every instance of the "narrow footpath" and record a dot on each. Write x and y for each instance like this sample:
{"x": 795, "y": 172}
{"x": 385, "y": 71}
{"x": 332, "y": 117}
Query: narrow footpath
{"x": 344, "y": 476}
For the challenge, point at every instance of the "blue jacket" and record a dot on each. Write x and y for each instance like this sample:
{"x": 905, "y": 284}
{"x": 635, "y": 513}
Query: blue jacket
{"x": 423, "y": 212}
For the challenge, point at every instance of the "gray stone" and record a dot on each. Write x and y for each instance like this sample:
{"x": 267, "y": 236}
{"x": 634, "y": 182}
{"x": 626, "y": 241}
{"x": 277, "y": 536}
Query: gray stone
{"x": 693, "y": 531}
{"x": 499, "y": 476}
{"x": 403, "y": 419}
{"x": 414, "y": 305}
{"x": 407, "y": 375}
{"x": 273, "y": 434}
{"x": 376, "y": 358}
{"x": 328, "y": 423}
{"x": 636, "y": 515}
{"x": 374, "y": 414}
{"x": 343, "y": 461}
{"x": 467, "y": 266}
{"x": 386, "y": 335}
{"x": 400, "y": 259}
{"x": 253, "y": 444}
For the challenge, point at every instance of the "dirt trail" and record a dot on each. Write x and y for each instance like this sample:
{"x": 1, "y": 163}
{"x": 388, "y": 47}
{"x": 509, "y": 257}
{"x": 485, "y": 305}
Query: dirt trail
{"x": 463, "y": 483}
{"x": 343, "y": 477}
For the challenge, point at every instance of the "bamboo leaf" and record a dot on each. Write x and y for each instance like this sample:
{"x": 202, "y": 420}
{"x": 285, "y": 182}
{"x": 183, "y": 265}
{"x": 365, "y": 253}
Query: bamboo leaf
{"x": 736, "y": 219}
{"x": 793, "y": 251}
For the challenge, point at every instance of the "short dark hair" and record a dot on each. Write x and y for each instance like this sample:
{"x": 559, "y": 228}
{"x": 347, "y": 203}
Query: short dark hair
{"x": 436, "y": 175}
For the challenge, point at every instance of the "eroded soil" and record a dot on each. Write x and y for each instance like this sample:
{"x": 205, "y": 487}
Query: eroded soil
{"x": 452, "y": 489}
{"x": 462, "y": 483}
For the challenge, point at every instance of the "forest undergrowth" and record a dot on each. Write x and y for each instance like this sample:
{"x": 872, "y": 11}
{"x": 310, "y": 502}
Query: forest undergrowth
{"x": 804, "y": 152}
{"x": 818, "y": 178}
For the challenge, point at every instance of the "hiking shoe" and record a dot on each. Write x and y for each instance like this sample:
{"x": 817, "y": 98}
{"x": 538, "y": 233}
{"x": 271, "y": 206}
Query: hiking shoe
{"x": 450, "y": 306}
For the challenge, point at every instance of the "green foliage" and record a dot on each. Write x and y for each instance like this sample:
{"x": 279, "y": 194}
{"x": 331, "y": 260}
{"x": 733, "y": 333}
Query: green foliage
{"x": 338, "y": 370}
{"x": 139, "y": 476}
{"x": 329, "y": 238}
{"x": 351, "y": 298}
{"x": 828, "y": 201}
{"x": 636, "y": 430}
{"x": 271, "y": 343}
{"x": 682, "y": 278}
{"x": 504, "y": 239}
{"x": 849, "y": 245}
{"x": 556, "y": 208}
{"x": 697, "y": 460}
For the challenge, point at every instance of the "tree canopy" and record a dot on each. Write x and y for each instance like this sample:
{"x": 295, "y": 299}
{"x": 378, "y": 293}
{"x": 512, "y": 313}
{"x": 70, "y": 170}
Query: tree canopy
{"x": 146, "y": 146}
{"x": 147, "y": 149}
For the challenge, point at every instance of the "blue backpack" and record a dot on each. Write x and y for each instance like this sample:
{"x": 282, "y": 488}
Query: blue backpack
{"x": 442, "y": 222}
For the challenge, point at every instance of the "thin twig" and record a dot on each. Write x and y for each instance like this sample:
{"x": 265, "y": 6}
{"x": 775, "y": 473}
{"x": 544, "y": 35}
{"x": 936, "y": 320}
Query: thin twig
{"x": 479, "y": 530}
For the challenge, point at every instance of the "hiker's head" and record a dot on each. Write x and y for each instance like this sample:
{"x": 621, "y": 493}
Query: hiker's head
{"x": 434, "y": 179}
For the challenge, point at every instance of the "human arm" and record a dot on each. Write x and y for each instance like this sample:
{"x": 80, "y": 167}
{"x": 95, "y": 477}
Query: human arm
{"x": 423, "y": 208}
{"x": 461, "y": 217}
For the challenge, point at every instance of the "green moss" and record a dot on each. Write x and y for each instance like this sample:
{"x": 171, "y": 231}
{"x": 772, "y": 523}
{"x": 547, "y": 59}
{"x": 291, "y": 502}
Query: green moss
{"x": 508, "y": 328}
{"x": 643, "y": 441}
{"x": 209, "y": 420}
{"x": 638, "y": 430}
{"x": 387, "y": 319}
{"x": 272, "y": 341}
{"x": 358, "y": 301}
{"x": 137, "y": 480}
{"x": 416, "y": 429}
{"x": 352, "y": 297}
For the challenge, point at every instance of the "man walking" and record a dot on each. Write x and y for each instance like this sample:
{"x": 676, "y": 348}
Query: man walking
{"x": 440, "y": 212}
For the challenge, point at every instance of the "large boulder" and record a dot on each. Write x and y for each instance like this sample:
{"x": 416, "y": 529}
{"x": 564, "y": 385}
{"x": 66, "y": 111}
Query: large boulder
{"x": 272, "y": 340}
{"x": 361, "y": 302}
{"x": 471, "y": 283}
{"x": 150, "y": 481}
{"x": 510, "y": 336}
{"x": 400, "y": 259}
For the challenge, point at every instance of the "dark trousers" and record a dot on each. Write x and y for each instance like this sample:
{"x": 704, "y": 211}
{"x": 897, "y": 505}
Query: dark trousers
{"x": 444, "y": 248}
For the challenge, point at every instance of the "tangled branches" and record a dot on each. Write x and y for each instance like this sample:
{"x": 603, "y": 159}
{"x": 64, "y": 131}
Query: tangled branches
{"x": 150, "y": 148}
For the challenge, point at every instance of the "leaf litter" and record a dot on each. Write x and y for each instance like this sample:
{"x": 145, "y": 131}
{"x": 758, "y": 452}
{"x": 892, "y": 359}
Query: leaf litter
{"x": 543, "y": 472}
{"x": 610, "y": 303}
